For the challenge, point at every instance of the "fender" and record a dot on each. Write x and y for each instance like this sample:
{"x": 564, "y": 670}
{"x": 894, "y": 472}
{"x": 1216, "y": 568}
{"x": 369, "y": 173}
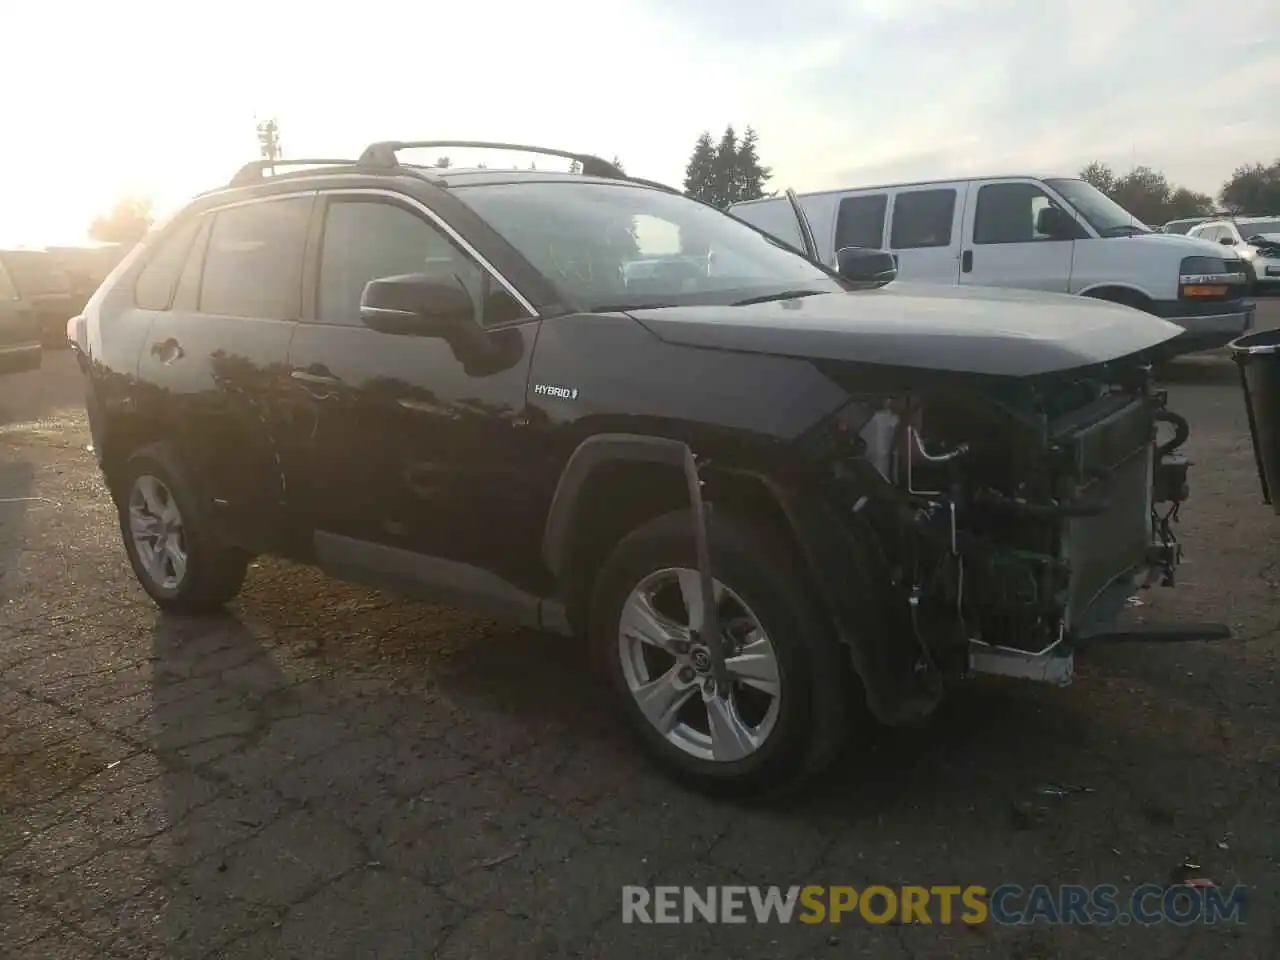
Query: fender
{"x": 601, "y": 448}
{"x": 837, "y": 568}
{"x": 846, "y": 581}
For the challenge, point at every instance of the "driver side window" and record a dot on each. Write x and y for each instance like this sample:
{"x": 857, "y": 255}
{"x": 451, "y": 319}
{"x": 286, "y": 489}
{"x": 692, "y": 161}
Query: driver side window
{"x": 368, "y": 239}
{"x": 1009, "y": 213}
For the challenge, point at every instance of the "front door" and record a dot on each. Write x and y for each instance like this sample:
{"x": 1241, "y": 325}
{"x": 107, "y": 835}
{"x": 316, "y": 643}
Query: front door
{"x": 397, "y": 445}
{"x": 1003, "y": 247}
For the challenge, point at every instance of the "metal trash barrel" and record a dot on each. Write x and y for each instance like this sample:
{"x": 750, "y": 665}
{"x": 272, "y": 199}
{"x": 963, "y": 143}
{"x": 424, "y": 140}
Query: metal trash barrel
{"x": 1257, "y": 355}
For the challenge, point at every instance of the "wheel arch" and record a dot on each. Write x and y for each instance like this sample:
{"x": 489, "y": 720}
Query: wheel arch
{"x": 589, "y": 515}
{"x": 1125, "y": 294}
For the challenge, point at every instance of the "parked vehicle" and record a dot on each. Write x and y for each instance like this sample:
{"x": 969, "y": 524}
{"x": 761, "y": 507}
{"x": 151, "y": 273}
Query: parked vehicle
{"x": 1182, "y": 226}
{"x": 767, "y": 499}
{"x": 87, "y": 265}
{"x": 19, "y": 334}
{"x": 1255, "y": 239}
{"x": 1056, "y": 234}
{"x": 46, "y": 288}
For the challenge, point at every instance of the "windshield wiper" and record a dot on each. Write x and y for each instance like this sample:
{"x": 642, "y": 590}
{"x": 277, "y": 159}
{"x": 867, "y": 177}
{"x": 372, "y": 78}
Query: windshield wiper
{"x": 1125, "y": 230}
{"x": 770, "y": 297}
{"x": 624, "y": 307}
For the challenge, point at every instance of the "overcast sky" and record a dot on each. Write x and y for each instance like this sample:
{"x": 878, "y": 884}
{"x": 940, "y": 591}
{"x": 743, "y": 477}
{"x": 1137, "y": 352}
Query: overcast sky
{"x": 160, "y": 97}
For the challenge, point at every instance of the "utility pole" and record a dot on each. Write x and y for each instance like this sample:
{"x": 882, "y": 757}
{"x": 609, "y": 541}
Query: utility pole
{"x": 269, "y": 140}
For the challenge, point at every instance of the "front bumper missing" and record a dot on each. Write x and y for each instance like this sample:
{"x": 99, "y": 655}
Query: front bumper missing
{"x": 1134, "y": 533}
{"x": 1056, "y": 664}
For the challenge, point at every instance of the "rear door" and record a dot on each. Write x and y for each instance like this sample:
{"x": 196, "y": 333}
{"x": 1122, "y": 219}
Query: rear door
{"x": 214, "y": 361}
{"x": 1002, "y": 246}
{"x": 924, "y": 231}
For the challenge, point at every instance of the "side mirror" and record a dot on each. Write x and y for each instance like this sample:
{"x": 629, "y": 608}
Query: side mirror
{"x": 416, "y": 305}
{"x": 1056, "y": 224}
{"x": 863, "y": 266}
{"x": 1227, "y": 242}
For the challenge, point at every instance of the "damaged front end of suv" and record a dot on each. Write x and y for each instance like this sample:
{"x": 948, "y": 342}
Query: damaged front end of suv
{"x": 968, "y": 523}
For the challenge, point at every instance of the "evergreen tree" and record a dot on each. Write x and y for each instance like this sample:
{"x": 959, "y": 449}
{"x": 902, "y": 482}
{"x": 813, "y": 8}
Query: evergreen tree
{"x": 750, "y": 175}
{"x": 724, "y": 176}
{"x": 698, "y": 172}
{"x": 575, "y": 166}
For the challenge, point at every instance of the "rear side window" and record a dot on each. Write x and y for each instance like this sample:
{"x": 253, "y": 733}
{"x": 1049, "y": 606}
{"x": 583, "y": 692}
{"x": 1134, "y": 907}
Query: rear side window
{"x": 860, "y": 221}
{"x": 187, "y": 296}
{"x": 153, "y": 290}
{"x": 923, "y": 218}
{"x": 253, "y": 265}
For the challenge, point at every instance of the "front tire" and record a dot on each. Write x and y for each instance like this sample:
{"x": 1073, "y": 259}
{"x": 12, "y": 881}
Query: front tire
{"x": 181, "y": 565}
{"x": 785, "y": 717}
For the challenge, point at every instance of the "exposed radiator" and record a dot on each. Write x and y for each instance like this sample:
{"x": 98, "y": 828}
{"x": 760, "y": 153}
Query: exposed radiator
{"x": 1104, "y": 548}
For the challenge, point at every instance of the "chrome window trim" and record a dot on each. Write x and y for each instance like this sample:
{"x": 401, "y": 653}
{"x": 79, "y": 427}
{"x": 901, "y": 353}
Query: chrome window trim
{"x": 448, "y": 230}
{"x": 1199, "y": 278}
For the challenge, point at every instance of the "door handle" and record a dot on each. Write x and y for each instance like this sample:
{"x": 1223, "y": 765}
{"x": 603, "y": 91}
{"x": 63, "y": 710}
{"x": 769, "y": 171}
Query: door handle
{"x": 966, "y": 261}
{"x": 168, "y": 351}
{"x": 319, "y": 385}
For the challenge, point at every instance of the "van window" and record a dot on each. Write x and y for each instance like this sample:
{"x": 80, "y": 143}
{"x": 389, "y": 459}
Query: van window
{"x": 1007, "y": 212}
{"x": 860, "y": 221}
{"x": 922, "y": 218}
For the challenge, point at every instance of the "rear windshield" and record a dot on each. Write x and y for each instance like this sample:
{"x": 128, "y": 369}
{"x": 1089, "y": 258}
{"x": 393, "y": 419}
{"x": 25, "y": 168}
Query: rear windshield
{"x": 1255, "y": 227}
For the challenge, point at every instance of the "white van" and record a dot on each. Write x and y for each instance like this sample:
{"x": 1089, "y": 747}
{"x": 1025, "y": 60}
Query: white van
{"x": 1058, "y": 234}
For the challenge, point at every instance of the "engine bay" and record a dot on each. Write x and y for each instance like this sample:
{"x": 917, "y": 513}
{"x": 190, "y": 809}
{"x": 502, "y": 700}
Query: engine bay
{"x": 1014, "y": 515}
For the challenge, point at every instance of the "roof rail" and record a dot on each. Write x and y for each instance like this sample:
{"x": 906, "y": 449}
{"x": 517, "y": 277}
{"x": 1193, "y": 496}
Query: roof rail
{"x": 383, "y": 154}
{"x": 252, "y": 171}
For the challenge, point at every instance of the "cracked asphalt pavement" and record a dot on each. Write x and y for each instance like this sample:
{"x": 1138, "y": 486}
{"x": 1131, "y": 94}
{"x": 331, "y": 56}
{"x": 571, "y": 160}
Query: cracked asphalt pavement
{"x": 328, "y": 771}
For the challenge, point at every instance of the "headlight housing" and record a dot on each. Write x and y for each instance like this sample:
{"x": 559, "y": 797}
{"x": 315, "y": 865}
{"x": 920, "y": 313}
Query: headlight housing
{"x": 1209, "y": 278}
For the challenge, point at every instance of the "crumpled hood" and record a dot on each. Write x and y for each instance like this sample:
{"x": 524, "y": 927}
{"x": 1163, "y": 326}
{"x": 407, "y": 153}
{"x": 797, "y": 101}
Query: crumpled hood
{"x": 1000, "y": 332}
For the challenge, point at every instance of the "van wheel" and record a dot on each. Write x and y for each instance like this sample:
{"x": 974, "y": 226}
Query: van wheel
{"x": 179, "y": 563}
{"x": 784, "y": 717}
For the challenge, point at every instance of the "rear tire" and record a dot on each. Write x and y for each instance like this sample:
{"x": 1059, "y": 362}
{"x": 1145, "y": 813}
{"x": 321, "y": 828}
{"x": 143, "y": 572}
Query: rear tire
{"x": 179, "y": 562}
{"x": 761, "y": 749}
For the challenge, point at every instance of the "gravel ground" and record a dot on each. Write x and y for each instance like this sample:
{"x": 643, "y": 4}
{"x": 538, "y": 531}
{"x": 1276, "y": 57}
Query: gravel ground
{"x": 328, "y": 771}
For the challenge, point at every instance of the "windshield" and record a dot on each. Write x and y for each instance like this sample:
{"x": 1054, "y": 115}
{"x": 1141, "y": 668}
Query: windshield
{"x": 1102, "y": 213}
{"x": 1255, "y": 227}
{"x": 620, "y": 246}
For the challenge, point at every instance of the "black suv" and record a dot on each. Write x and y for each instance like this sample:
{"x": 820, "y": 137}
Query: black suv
{"x": 770, "y": 494}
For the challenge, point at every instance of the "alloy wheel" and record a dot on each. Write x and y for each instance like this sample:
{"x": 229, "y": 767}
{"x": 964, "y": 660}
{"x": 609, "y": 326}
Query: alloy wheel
{"x": 159, "y": 538}
{"x": 666, "y": 664}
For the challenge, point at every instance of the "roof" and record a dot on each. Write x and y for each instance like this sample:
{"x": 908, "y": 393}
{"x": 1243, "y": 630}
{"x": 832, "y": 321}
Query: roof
{"x": 473, "y": 176}
{"x": 380, "y": 160}
{"x": 915, "y": 183}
